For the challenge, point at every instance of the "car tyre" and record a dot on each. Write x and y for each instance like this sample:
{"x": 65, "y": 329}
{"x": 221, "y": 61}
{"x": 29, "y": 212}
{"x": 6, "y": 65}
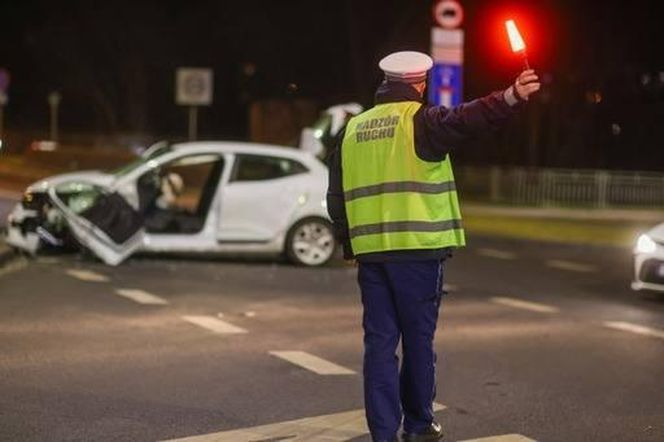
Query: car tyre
{"x": 310, "y": 242}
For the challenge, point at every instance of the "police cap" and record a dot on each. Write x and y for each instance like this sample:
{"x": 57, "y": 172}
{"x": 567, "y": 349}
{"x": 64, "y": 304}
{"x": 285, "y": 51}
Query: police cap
{"x": 406, "y": 66}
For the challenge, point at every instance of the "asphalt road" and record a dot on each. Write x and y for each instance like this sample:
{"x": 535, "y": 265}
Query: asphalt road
{"x": 6, "y": 205}
{"x": 537, "y": 340}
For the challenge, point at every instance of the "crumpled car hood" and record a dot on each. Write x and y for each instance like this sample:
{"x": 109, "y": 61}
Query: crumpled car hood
{"x": 90, "y": 176}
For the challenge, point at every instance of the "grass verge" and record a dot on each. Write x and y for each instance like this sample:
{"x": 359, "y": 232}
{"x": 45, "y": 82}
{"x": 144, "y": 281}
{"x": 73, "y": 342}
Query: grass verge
{"x": 591, "y": 232}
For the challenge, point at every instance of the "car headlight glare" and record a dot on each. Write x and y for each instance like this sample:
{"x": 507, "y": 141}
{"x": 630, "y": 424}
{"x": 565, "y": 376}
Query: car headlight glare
{"x": 645, "y": 244}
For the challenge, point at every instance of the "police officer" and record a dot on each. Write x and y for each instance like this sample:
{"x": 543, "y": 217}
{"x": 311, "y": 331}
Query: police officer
{"x": 394, "y": 205}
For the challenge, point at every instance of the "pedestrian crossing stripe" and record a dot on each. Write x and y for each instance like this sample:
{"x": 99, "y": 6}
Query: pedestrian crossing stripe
{"x": 326, "y": 428}
{"x": 503, "y": 438}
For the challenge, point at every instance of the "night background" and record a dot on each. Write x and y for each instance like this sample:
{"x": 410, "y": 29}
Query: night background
{"x": 198, "y": 291}
{"x": 114, "y": 62}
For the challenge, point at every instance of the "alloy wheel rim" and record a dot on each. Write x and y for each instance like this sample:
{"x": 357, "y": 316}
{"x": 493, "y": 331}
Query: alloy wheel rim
{"x": 313, "y": 243}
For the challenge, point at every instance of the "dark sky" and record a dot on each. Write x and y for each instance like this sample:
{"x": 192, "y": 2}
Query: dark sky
{"x": 114, "y": 63}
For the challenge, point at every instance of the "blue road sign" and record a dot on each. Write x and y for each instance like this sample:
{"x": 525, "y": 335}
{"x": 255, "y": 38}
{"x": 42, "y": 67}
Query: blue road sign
{"x": 446, "y": 85}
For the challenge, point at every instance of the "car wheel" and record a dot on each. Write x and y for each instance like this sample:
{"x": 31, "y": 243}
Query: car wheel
{"x": 310, "y": 242}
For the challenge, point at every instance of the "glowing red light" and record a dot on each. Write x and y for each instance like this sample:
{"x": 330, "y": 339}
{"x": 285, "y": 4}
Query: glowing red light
{"x": 516, "y": 41}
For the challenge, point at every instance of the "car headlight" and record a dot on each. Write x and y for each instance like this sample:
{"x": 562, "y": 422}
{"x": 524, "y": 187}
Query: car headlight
{"x": 645, "y": 244}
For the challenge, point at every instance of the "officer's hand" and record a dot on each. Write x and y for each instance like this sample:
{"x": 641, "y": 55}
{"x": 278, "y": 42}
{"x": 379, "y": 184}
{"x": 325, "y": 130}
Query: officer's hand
{"x": 526, "y": 84}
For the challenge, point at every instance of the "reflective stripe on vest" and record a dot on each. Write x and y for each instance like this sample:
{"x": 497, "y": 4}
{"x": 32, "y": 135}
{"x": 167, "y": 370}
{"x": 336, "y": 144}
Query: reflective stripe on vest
{"x": 394, "y": 200}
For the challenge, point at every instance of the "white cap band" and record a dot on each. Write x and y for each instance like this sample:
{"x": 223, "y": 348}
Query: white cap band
{"x": 406, "y": 66}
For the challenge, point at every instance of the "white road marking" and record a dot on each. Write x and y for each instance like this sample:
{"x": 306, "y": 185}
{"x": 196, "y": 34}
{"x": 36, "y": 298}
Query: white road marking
{"x": 525, "y": 305}
{"x": 87, "y": 275}
{"x": 635, "y": 328}
{"x": 571, "y": 266}
{"x": 312, "y": 363}
{"x": 141, "y": 296}
{"x": 326, "y": 428}
{"x": 495, "y": 253}
{"x": 450, "y": 288}
{"x": 503, "y": 438}
{"x": 214, "y": 324}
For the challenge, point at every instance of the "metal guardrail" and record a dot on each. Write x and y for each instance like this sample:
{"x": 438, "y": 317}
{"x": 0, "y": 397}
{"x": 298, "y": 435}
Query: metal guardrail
{"x": 562, "y": 187}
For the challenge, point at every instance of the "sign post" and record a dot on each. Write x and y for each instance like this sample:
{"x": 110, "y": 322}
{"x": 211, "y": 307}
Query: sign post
{"x": 193, "y": 88}
{"x": 446, "y": 81}
{"x": 54, "y": 99}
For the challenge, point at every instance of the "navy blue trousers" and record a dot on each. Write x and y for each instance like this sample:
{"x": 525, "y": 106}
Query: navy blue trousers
{"x": 401, "y": 301}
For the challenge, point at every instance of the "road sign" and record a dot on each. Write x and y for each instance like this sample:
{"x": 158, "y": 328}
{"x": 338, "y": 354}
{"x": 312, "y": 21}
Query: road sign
{"x": 193, "y": 86}
{"x": 446, "y": 85}
{"x": 448, "y": 14}
{"x": 446, "y": 78}
{"x": 447, "y": 45}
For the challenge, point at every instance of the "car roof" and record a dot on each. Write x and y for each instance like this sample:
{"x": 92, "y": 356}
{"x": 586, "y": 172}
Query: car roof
{"x": 243, "y": 147}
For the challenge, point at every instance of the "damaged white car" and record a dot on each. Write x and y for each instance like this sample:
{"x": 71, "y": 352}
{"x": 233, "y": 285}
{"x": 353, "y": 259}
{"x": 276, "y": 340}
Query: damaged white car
{"x": 208, "y": 197}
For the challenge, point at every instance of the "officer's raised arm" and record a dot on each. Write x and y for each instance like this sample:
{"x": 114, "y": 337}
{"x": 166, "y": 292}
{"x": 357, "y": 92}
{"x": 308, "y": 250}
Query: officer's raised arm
{"x": 439, "y": 129}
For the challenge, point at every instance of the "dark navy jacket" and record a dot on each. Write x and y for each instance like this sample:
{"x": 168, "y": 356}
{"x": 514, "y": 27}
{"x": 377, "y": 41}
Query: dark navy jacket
{"x": 437, "y": 131}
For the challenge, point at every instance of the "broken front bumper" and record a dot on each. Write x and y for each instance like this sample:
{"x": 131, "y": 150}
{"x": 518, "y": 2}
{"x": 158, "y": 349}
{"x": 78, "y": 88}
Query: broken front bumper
{"x": 22, "y": 227}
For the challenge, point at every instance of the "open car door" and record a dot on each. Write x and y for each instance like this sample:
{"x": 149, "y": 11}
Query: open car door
{"x": 101, "y": 221}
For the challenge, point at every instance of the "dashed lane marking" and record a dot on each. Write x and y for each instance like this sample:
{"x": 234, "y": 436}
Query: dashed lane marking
{"x": 214, "y": 324}
{"x": 87, "y": 275}
{"x": 312, "y": 363}
{"x": 503, "y": 438}
{"x": 571, "y": 266}
{"x": 326, "y": 428}
{"x": 635, "y": 328}
{"x": 525, "y": 305}
{"x": 495, "y": 253}
{"x": 141, "y": 296}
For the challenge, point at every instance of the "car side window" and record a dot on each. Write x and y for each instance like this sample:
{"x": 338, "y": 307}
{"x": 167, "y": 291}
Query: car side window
{"x": 261, "y": 168}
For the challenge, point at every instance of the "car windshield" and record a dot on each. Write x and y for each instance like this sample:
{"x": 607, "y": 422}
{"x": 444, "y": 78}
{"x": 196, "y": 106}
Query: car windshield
{"x": 150, "y": 154}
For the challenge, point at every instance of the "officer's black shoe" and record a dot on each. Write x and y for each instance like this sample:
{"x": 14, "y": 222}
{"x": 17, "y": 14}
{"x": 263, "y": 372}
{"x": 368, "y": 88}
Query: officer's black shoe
{"x": 433, "y": 434}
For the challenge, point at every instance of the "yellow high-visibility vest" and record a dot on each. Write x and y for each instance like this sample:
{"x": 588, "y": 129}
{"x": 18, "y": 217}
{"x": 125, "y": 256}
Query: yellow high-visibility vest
{"x": 395, "y": 200}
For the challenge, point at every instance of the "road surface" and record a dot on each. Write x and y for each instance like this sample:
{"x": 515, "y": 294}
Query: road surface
{"x": 536, "y": 342}
{"x": 6, "y": 205}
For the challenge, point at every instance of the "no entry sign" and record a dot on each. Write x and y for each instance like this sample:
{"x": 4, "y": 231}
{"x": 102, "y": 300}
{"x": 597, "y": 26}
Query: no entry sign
{"x": 448, "y": 14}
